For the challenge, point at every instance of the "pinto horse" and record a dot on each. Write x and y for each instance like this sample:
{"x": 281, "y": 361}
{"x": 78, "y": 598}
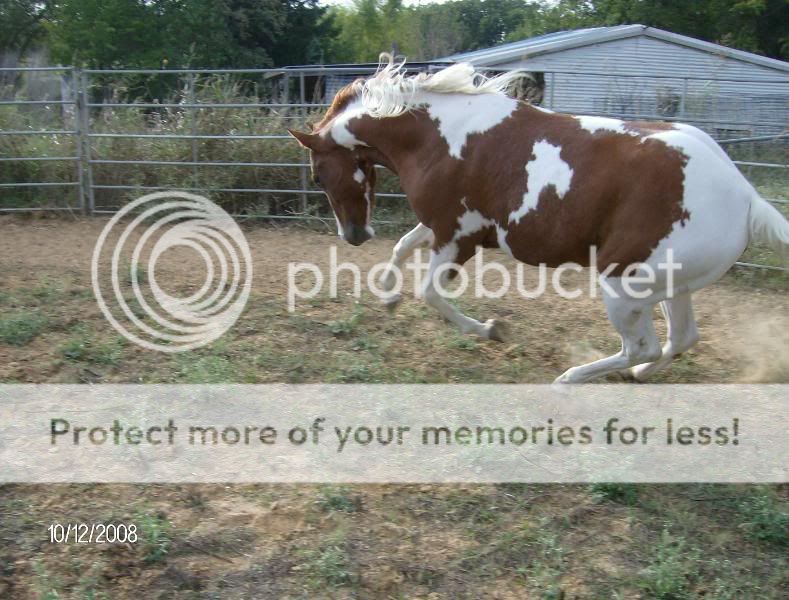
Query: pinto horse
{"x": 481, "y": 169}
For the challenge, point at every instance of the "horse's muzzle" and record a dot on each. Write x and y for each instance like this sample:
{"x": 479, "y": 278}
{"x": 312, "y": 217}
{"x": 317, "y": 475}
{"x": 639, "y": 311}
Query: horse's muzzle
{"x": 355, "y": 235}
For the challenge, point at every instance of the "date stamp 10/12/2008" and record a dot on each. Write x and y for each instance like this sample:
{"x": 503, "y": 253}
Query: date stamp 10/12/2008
{"x": 92, "y": 533}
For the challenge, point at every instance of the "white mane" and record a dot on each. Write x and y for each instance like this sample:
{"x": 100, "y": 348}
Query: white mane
{"x": 390, "y": 92}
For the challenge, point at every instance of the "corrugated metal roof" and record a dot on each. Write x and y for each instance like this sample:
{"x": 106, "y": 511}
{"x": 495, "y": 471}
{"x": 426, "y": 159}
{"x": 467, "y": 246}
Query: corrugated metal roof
{"x": 563, "y": 40}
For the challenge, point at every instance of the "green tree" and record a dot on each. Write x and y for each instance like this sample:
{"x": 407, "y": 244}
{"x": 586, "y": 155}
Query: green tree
{"x": 105, "y": 33}
{"x": 306, "y": 36}
{"x": 21, "y": 26}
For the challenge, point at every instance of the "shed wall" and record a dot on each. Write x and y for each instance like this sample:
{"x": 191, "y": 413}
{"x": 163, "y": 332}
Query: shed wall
{"x": 759, "y": 105}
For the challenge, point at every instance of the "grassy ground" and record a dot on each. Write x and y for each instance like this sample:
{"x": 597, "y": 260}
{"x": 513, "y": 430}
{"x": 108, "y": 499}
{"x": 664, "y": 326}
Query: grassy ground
{"x": 425, "y": 541}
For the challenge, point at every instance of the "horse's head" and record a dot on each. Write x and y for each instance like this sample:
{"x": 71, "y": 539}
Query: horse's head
{"x": 348, "y": 179}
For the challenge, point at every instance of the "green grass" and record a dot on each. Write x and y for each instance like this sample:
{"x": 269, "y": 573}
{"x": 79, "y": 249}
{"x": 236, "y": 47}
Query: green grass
{"x": 86, "y": 348}
{"x": 206, "y": 369}
{"x": 47, "y": 586}
{"x": 21, "y": 328}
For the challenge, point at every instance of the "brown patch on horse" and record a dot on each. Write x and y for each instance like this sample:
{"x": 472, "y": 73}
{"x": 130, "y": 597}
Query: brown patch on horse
{"x": 340, "y": 101}
{"x": 625, "y": 196}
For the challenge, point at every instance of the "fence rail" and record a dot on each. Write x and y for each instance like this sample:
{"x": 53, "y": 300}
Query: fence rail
{"x": 82, "y": 113}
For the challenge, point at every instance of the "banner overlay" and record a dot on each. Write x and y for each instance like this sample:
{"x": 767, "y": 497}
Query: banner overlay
{"x": 393, "y": 433}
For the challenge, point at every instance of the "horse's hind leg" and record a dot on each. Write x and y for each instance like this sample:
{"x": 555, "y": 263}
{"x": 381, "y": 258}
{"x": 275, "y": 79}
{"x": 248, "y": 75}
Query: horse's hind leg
{"x": 640, "y": 343}
{"x": 408, "y": 243}
{"x": 682, "y": 335}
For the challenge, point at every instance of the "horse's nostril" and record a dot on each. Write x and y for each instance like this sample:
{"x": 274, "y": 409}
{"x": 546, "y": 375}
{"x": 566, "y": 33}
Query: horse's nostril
{"x": 356, "y": 235}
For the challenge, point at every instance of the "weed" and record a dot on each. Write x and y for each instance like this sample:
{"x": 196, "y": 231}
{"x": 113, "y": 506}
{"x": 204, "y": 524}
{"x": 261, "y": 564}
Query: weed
{"x": 673, "y": 567}
{"x": 620, "y": 493}
{"x": 767, "y": 517}
{"x": 363, "y": 343}
{"x": 337, "y": 499}
{"x": 356, "y": 374}
{"x": 328, "y": 565}
{"x": 21, "y": 328}
{"x": 461, "y": 342}
{"x": 346, "y": 327}
{"x": 154, "y": 536}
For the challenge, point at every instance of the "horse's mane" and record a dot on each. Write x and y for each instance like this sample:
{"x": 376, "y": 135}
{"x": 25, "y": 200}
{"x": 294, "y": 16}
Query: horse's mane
{"x": 391, "y": 92}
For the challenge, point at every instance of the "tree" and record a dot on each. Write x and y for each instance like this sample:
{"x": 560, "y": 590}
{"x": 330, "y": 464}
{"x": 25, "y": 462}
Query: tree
{"x": 196, "y": 33}
{"x": 306, "y": 35}
{"x": 21, "y": 26}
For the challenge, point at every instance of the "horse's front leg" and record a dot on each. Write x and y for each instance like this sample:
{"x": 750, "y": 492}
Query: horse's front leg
{"x": 408, "y": 243}
{"x": 444, "y": 261}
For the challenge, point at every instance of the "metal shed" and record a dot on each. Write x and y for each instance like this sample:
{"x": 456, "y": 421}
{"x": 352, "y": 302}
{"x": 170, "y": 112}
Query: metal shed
{"x": 642, "y": 72}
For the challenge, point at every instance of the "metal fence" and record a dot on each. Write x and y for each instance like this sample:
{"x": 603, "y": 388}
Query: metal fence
{"x": 82, "y": 98}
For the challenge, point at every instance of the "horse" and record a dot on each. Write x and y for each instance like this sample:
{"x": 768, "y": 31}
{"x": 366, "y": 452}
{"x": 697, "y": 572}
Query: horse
{"x": 481, "y": 169}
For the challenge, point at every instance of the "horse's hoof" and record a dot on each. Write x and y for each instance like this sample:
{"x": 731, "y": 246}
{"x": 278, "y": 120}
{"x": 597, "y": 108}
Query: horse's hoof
{"x": 392, "y": 302}
{"x": 497, "y": 330}
{"x": 637, "y": 374}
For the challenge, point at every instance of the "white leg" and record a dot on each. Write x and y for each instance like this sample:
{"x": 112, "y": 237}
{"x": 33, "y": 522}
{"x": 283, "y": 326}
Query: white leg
{"x": 491, "y": 329}
{"x": 640, "y": 343}
{"x": 682, "y": 335}
{"x": 403, "y": 248}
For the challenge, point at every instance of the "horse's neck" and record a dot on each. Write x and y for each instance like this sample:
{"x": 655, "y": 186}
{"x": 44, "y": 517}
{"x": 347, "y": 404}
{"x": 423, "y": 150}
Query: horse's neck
{"x": 459, "y": 115}
{"x": 437, "y": 119}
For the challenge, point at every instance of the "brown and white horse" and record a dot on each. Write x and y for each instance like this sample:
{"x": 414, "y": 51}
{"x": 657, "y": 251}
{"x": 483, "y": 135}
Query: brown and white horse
{"x": 482, "y": 169}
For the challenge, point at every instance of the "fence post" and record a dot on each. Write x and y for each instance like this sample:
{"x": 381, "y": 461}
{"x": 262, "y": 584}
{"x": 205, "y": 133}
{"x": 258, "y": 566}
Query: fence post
{"x": 76, "y": 74}
{"x": 303, "y": 170}
{"x": 84, "y": 139}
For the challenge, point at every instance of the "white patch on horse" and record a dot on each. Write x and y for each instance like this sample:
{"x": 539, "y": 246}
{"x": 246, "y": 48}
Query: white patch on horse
{"x": 358, "y": 176}
{"x": 460, "y": 116}
{"x": 446, "y": 254}
{"x": 501, "y": 236}
{"x": 340, "y": 230}
{"x": 339, "y": 129}
{"x": 470, "y": 222}
{"x": 595, "y": 124}
{"x": 368, "y": 198}
{"x": 715, "y": 198}
{"x": 545, "y": 170}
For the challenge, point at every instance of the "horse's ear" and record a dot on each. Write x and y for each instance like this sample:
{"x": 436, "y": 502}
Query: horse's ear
{"x": 308, "y": 140}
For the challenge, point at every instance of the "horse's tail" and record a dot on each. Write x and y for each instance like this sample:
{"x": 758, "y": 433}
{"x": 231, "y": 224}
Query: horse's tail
{"x": 767, "y": 225}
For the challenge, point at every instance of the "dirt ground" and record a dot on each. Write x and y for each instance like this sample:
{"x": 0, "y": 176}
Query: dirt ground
{"x": 427, "y": 541}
